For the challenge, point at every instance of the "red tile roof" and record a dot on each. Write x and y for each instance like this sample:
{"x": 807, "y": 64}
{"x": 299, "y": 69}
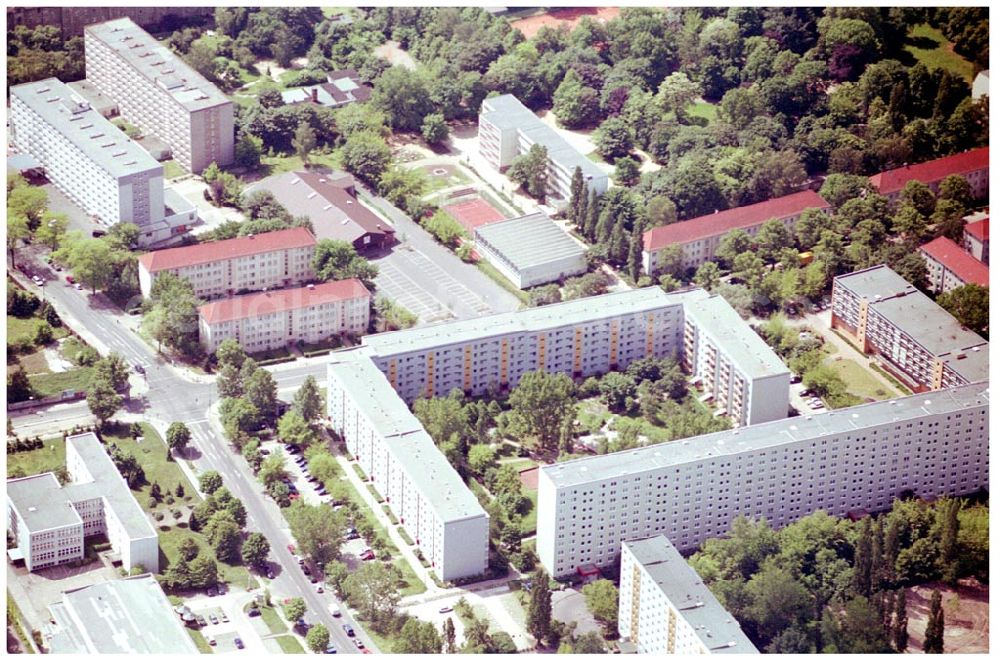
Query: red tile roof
{"x": 960, "y": 263}
{"x": 276, "y": 301}
{"x": 720, "y": 223}
{"x": 227, "y": 249}
{"x": 979, "y": 229}
{"x": 894, "y": 180}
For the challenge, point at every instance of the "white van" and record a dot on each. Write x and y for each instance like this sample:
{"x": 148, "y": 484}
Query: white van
{"x": 334, "y": 610}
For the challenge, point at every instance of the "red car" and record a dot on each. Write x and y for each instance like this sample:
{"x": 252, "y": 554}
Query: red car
{"x": 69, "y": 279}
{"x": 291, "y": 548}
{"x": 368, "y": 555}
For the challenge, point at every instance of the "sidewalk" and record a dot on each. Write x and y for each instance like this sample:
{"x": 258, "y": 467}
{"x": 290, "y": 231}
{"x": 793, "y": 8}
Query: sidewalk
{"x": 383, "y": 519}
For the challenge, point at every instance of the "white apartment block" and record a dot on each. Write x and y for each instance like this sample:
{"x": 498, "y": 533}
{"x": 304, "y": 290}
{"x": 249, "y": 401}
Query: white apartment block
{"x": 665, "y": 608}
{"x": 160, "y": 93}
{"x": 699, "y": 238}
{"x": 739, "y": 372}
{"x": 915, "y": 339}
{"x": 691, "y": 490}
{"x": 508, "y": 129}
{"x": 86, "y": 157}
{"x": 587, "y": 337}
{"x": 277, "y": 259}
{"x": 49, "y": 521}
{"x": 276, "y": 318}
{"x": 432, "y": 503}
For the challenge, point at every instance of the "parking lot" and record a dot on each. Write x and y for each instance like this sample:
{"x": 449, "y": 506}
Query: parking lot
{"x": 225, "y": 621}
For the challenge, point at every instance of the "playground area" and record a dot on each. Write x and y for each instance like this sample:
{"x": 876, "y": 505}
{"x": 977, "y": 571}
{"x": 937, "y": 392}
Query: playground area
{"x": 472, "y": 211}
{"x": 556, "y": 18}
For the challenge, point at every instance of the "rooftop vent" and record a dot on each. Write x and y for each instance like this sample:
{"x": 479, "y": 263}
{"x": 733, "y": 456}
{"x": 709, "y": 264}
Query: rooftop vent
{"x": 327, "y": 206}
{"x": 42, "y": 90}
{"x": 32, "y": 509}
{"x": 295, "y": 180}
{"x": 311, "y": 195}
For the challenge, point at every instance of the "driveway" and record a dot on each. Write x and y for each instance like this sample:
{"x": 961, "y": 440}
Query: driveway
{"x": 193, "y": 189}
{"x": 569, "y": 605}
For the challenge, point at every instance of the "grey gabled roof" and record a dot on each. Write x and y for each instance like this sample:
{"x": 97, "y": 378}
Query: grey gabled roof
{"x": 98, "y": 139}
{"x": 529, "y": 241}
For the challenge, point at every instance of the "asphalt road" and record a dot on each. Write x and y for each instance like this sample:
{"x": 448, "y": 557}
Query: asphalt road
{"x": 173, "y": 396}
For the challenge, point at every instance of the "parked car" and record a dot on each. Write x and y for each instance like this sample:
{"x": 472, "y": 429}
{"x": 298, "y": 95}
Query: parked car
{"x": 368, "y": 554}
{"x": 211, "y": 591}
{"x": 254, "y": 612}
{"x": 201, "y": 620}
{"x": 238, "y": 643}
{"x": 38, "y": 280}
{"x": 358, "y": 643}
{"x": 78, "y": 286}
{"x": 212, "y": 641}
{"x": 319, "y": 587}
{"x": 212, "y": 618}
{"x": 349, "y": 630}
{"x": 334, "y": 610}
{"x": 445, "y": 609}
{"x": 330, "y": 650}
{"x": 70, "y": 279}
{"x": 270, "y": 574}
{"x": 225, "y": 617}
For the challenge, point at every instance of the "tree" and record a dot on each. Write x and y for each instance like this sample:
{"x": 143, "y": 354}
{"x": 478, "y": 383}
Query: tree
{"x": 403, "y": 97}
{"x": 946, "y": 528}
{"x": 255, "y": 549}
{"x": 223, "y": 533}
{"x": 970, "y": 304}
{"x": 366, "y": 155}
{"x": 733, "y": 243}
{"x": 434, "y": 129}
{"x": 247, "y": 151}
{"x": 676, "y": 93}
{"x": 602, "y": 601}
{"x": 173, "y": 316}
{"x": 293, "y": 429}
{"x": 863, "y": 561}
{"x": 540, "y": 607}
{"x": 204, "y": 572}
{"x": 614, "y": 138}
{"x": 239, "y": 417}
{"x": 209, "y": 482}
{"x": 900, "y": 635}
{"x": 957, "y": 189}
{"x": 444, "y": 228}
{"x": 17, "y": 231}
{"x": 304, "y": 141}
{"x": 318, "y": 638}
{"x": 51, "y": 232}
{"x": 855, "y": 628}
{"x": 575, "y": 104}
{"x": 543, "y": 399}
{"x": 373, "y": 590}
{"x": 481, "y": 458}
{"x": 295, "y": 609}
{"x": 230, "y": 353}
{"x": 261, "y": 391}
{"x": 335, "y": 260}
{"x": 626, "y": 171}
{"x": 272, "y": 470}
{"x": 777, "y": 600}
{"x": 618, "y": 391}
{"x": 336, "y": 573}
{"x": 707, "y": 276}
{"x": 919, "y": 196}
{"x": 188, "y": 549}
{"x": 318, "y": 530}
{"x": 178, "y": 436}
{"x": 29, "y": 202}
{"x": 417, "y": 637}
{"x": 103, "y": 400}
{"x": 530, "y": 171}
{"x": 90, "y": 260}
{"x": 324, "y": 467}
{"x": 934, "y": 634}
{"x": 449, "y": 636}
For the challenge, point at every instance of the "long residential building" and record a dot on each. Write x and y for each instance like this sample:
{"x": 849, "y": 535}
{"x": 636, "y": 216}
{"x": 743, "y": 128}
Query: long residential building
{"x": 664, "y": 606}
{"x": 914, "y": 339}
{"x": 49, "y": 522}
{"x": 224, "y": 268}
{"x": 117, "y": 617}
{"x": 949, "y": 266}
{"x": 158, "y": 92}
{"x": 588, "y": 337}
{"x": 699, "y": 238}
{"x": 276, "y": 318}
{"x": 691, "y": 490}
{"x": 427, "y": 495}
{"x": 508, "y": 129}
{"x": 973, "y": 165}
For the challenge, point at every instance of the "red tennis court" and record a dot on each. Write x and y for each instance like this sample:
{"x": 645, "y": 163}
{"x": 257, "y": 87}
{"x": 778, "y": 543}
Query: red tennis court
{"x": 474, "y": 213}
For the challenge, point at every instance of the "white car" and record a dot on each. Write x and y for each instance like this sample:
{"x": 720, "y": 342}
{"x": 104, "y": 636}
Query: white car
{"x": 334, "y": 610}
{"x": 38, "y": 280}
{"x": 78, "y": 286}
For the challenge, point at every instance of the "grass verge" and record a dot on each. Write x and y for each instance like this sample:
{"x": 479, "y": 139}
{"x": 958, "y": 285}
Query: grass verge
{"x": 388, "y": 512}
{"x": 14, "y": 617}
{"x": 414, "y": 585}
{"x": 501, "y": 280}
{"x": 199, "y": 641}
{"x": 273, "y": 620}
{"x": 704, "y": 109}
{"x": 290, "y": 645}
{"x": 360, "y": 472}
{"x": 375, "y": 494}
{"x": 900, "y": 387}
{"x": 404, "y": 535}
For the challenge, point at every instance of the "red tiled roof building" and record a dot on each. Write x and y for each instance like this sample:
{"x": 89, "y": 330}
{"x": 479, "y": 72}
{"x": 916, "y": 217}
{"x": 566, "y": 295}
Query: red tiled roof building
{"x": 699, "y": 238}
{"x": 949, "y": 266}
{"x": 973, "y": 165}
{"x": 976, "y": 237}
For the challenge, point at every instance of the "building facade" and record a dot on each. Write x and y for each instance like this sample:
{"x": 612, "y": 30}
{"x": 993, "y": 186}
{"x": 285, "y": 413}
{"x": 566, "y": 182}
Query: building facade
{"x": 276, "y": 318}
{"x": 160, "y": 93}
{"x": 530, "y": 250}
{"x": 49, "y": 522}
{"x": 94, "y": 163}
{"x": 912, "y": 337}
{"x": 431, "y": 501}
{"x": 665, "y": 608}
{"x": 691, "y": 490}
{"x": 699, "y": 238}
{"x": 508, "y": 129}
{"x": 950, "y": 267}
{"x": 973, "y": 165}
{"x": 277, "y": 259}
{"x": 976, "y": 236}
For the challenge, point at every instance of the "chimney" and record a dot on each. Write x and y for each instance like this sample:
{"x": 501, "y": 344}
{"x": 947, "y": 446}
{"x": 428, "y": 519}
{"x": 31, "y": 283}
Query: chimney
{"x": 315, "y": 96}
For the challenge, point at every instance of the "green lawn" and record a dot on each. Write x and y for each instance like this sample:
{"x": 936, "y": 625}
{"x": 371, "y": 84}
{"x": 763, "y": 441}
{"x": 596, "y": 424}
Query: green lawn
{"x": 14, "y": 617}
{"x": 283, "y": 163}
{"x": 290, "y": 644}
{"x": 51, "y": 457}
{"x": 414, "y": 585}
{"x": 438, "y": 182}
{"x": 929, "y": 46}
{"x": 50, "y": 384}
{"x": 704, "y": 109}
{"x": 273, "y": 620}
{"x": 520, "y": 464}
{"x": 859, "y": 381}
{"x": 529, "y": 523}
{"x": 172, "y": 169}
{"x": 199, "y": 640}
{"x": 334, "y": 11}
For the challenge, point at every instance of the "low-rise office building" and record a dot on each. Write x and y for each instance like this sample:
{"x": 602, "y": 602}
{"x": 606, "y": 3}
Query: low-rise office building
{"x": 976, "y": 236}
{"x": 158, "y": 92}
{"x": 118, "y": 617}
{"x": 430, "y": 499}
{"x": 690, "y": 490}
{"x": 913, "y": 338}
{"x": 740, "y": 373}
{"x": 950, "y": 267}
{"x": 49, "y": 522}
{"x": 342, "y": 87}
{"x": 508, "y": 129}
{"x": 276, "y": 318}
{"x": 330, "y": 200}
{"x": 664, "y": 606}
{"x": 973, "y": 165}
{"x": 699, "y": 238}
{"x": 277, "y": 259}
{"x": 530, "y": 250}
